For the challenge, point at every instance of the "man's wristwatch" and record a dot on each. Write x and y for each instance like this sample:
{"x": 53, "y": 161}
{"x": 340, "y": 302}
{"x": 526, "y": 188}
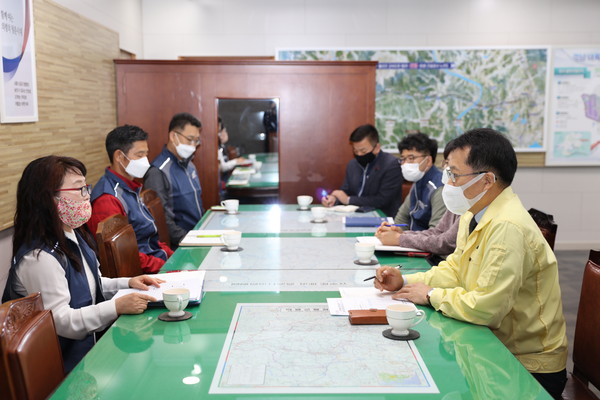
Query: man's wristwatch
{"x": 429, "y": 297}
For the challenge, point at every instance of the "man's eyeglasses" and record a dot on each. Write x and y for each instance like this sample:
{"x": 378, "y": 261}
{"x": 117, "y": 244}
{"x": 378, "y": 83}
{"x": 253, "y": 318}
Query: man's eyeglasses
{"x": 409, "y": 159}
{"x": 194, "y": 141}
{"x": 451, "y": 176}
{"x": 84, "y": 190}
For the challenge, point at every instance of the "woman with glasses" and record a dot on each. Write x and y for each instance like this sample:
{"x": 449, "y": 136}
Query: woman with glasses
{"x": 52, "y": 254}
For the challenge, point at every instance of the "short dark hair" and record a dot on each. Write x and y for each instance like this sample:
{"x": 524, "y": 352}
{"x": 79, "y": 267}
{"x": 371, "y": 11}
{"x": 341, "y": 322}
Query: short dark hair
{"x": 179, "y": 121}
{"x": 419, "y": 142}
{"x": 122, "y": 138}
{"x": 489, "y": 150}
{"x": 365, "y": 131}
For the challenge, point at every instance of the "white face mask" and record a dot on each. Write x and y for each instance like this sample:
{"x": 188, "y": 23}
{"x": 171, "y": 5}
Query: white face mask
{"x": 454, "y": 196}
{"x": 185, "y": 150}
{"x": 137, "y": 168}
{"x": 411, "y": 171}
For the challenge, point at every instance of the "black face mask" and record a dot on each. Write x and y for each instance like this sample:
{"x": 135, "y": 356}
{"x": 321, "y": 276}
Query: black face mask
{"x": 365, "y": 158}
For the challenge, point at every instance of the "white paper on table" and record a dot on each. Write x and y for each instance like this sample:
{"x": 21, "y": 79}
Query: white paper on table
{"x": 203, "y": 237}
{"x": 380, "y": 247}
{"x": 191, "y": 280}
{"x": 243, "y": 171}
{"x": 341, "y": 306}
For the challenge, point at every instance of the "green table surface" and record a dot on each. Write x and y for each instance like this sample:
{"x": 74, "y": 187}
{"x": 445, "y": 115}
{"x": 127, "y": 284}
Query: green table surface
{"x": 141, "y": 357}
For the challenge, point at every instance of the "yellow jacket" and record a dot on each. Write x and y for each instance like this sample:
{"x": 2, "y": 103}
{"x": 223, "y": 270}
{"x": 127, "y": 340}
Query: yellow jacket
{"x": 504, "y": 275}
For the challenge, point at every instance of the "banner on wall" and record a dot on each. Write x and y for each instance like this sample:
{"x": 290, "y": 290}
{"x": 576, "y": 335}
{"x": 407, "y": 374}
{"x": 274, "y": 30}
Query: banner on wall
{"x": 18, "y": 89}
{"x": 575, "y": 107}
{"x": 447, "y": 91}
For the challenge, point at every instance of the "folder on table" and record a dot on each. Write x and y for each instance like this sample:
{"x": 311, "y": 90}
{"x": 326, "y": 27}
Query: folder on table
{"x": 364, "y": 222}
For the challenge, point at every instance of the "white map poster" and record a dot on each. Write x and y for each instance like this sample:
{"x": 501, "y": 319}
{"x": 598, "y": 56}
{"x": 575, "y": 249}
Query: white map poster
{"x": 575, "y": 107}
{"x": 300, "y": 348}
{"x": 444, "y": 92}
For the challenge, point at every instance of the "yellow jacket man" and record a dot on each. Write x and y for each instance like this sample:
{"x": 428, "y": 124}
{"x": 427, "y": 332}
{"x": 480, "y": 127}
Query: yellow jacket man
{"x": 503, "y": 273}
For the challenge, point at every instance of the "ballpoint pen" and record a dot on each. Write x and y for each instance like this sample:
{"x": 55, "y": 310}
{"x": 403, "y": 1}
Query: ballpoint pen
{"x": 403, "y": 225}
{"x": 374, "y": 276}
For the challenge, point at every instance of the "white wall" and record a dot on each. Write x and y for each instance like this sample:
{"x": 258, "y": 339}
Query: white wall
{"x": 122, "y": 16}
{"x": 259, "y": 27}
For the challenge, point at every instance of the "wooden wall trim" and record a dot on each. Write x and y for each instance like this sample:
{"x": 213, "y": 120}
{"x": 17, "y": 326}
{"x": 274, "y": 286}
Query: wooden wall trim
{"x": 320, "y": 104}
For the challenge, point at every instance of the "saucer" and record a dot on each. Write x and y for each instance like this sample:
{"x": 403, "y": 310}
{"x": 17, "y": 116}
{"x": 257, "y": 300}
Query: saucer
{"x": 166, "y": 317}
{"x": 232, "y": 213}
{"x": 314, "y": 221}
{"x": 412, "y": 335}
{"x": 303, "y": 209}
{"x": 372, "y": 262}
{"x": 225, "y": 249}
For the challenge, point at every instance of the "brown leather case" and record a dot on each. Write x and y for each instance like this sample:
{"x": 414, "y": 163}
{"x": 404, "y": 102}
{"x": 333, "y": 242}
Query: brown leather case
{"x": 367, "y": 317}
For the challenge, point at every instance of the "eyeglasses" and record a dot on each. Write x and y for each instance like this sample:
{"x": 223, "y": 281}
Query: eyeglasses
{"x": 194, "y": 141}
{"x": 409, "y": 159}
{"x": 449, "y": 175}
{"x": 84, "y": 190}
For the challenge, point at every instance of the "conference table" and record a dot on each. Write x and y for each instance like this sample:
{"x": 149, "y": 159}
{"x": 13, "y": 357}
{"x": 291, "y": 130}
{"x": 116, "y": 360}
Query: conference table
{"x": 263, "y": 330}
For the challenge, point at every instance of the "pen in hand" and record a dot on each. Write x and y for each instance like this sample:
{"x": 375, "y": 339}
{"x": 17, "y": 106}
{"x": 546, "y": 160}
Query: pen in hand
{"x": 374, "y": 276}
{"x": 400, "y": 225}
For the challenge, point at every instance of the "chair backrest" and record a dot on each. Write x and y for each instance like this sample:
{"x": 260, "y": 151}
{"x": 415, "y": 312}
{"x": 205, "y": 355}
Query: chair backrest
{"x": 122, "y": 251}
{"x": 586, "y": 345}
{"x": 546, "y": 224}
{"x": 107, "y": 228}
{"x": 155, "y": 206}
{"x": 117, "y": 247}
{"x": 31, "y": 366}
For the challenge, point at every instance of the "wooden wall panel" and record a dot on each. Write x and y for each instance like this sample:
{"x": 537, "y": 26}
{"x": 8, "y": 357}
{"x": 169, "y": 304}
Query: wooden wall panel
{"x": 76, "y": 99}
{"x": 320, "y": 104}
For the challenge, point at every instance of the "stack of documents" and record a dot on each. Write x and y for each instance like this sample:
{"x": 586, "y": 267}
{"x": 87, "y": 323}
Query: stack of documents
{"x": 203, "y": 238}
{"x": 191, "y": 280}
{"x": 381, "y": 247}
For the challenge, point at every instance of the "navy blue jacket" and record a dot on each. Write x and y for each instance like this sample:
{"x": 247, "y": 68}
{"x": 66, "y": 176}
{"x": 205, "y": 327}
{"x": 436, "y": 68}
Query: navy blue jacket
{"x": 72, "y": 350}
{"x": 138, "y": 215}
{"x": 420, "y": 198}
{"x": 176, "y": 183}
{"x": 382, "y": 184}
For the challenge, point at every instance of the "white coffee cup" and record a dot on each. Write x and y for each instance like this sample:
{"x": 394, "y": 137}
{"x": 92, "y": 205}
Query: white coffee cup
{"x": 304, "y": 201}
{"x": 231, "y": 239}
{"x": 318, "y": 213}
{"x": 231, "y": 205}
{"x": 252, "y": 157}
{"x": 364, "y": 252}
{"x": 403, "y": 316}
{"x": 176, "y": 300}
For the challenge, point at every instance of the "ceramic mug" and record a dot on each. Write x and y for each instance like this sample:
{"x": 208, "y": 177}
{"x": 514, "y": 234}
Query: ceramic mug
{"x": 364, "y": 252}
{"x": 403, "y": 316}
{"x": 318, "y": 213}
{"x": 176, "y": 300}
{"x": 231, "y": 239}
{"x": 304, "y": 202}
{"x": 231, "y": 205}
